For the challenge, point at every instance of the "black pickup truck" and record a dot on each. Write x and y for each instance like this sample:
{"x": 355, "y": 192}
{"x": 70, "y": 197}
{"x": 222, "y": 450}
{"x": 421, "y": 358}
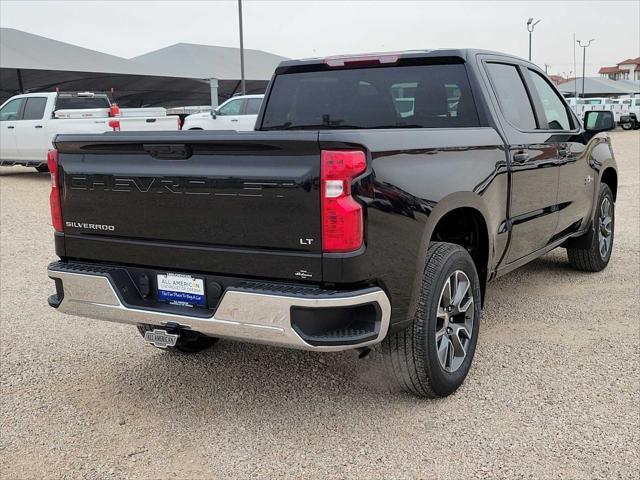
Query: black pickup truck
{"x": 377, "y": 197}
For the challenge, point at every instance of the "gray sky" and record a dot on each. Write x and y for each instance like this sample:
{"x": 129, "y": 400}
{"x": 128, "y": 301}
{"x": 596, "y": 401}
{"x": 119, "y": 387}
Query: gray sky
{"x": 301, "y": 29}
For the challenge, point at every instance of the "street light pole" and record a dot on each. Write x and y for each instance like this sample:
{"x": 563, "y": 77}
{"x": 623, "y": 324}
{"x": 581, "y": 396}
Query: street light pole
{"x": 242, "y": 84}
{"x": 530, "y": 27}
{"x": 584, "y": 57}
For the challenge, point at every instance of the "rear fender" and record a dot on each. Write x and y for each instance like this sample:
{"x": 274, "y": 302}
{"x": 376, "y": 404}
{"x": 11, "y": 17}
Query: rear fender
{"x": 446, "y": 205}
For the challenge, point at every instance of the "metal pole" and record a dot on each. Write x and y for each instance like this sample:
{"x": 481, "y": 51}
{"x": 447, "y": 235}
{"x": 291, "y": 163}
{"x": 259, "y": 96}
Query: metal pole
{"x": 584, "y": 56}
{"x": 20, "y": 84}
{"x": 530, "y": 45}
{"x": 242, "y": 84}
{"x": 213, "y": 86}
{"x": 575, "y": 69}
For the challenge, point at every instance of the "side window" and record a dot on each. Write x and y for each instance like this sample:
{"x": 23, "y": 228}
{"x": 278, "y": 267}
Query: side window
{"x": 34, "y": 108}
{"x": 253, "y": 106}
{"x": 232, "y": 108}
{"x": 554, "y": 107}
{"x": 10, "y": 110}
{"x": 512, "y": 95}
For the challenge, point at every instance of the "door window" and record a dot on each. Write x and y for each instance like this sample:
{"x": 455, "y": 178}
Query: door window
{"x": 554, "y": 108}
{"x": 253, "y": 106}
{"x": 512, "y": 95}
{"x": 10, "y": 110}
{"x": 34, "y": 108}
{"x": 231, "y": 108}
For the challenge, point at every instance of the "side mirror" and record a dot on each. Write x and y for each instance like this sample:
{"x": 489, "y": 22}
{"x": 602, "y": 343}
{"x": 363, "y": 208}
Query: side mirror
{"x": 214, "y": 114}
{"x": 599, "y": 121}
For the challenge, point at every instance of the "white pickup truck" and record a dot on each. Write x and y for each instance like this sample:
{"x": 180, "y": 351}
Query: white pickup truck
{"x": 30, "y": 122}
{"x": 238, "y": 113}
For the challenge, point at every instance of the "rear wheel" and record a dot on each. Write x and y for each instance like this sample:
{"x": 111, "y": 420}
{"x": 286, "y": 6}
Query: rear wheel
{"x": 596, "y": 256}
{"x": 432, "y": 356}
{"x": 188, "y": 342}
{"x": 627, "y": 125}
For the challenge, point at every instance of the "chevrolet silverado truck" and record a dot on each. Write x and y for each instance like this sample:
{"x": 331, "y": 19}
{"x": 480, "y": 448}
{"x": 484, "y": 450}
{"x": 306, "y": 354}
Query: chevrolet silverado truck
{"x": 376, "y": 199}
{"x": 30, "y": 122}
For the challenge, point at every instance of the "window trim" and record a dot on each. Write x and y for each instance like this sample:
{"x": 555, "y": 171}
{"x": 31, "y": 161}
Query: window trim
{"x": 522, "y": 68}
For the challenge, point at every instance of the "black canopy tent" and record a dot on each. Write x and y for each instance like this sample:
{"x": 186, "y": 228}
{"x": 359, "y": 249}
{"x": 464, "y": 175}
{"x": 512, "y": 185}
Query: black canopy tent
{"x": 128, "y": 90}
{"x": 175, "y": 76}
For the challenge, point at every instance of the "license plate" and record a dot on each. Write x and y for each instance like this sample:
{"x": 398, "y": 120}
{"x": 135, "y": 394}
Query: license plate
{"x": 160, "y": 338}
{"x": 181, "y": 289}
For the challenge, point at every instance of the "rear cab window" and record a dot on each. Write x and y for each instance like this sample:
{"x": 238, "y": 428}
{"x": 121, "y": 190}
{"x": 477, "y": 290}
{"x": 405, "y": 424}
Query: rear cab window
{"x": 411, "y": 96}
{"x": 73, "y": 102}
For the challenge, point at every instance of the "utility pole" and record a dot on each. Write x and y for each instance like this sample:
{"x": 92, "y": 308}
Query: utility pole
{"x": 575, "y": 69}
{"x": 242, "y": 84}
{"x": 530, "y": 27}
{"x": 584, "y": 61}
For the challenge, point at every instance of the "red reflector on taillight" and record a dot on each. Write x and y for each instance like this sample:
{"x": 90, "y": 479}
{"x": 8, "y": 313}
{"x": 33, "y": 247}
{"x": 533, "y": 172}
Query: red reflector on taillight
{"x": 54, "y": 197}
{"x": 342, "y": 216}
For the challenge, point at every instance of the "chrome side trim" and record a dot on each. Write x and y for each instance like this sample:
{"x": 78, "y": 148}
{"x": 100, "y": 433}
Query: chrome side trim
{"x": 241, "y": 315}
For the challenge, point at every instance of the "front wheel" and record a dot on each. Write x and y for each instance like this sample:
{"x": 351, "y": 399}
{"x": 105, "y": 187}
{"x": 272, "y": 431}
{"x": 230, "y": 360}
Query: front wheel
{"x": 627, "y": 125}
{"x": 432, "y": 356}
{"x": 596, "y": 255}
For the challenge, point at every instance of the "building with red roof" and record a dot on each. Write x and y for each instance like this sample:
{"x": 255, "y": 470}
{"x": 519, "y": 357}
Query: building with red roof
{"x": 628, "y": 69}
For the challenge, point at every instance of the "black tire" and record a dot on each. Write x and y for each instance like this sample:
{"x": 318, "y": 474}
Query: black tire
{"x": 590, "y": 259}
{"x": 412, "y": 353}
{"x": 627, "y": 125}
{"x": 42, "y": 168}
{"x": 188, "y": 342}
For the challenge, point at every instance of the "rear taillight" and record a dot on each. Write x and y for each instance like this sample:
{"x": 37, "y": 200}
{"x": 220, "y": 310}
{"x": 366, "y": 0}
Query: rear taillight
{"x": 342, "y": 216}
{"x": 54, "y": 197}
{"x": 114, "y": 125}
{"x": 114, "y": 110}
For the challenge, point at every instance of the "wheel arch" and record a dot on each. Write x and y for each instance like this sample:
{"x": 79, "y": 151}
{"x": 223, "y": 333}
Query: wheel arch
{"x": 462, "y": 205}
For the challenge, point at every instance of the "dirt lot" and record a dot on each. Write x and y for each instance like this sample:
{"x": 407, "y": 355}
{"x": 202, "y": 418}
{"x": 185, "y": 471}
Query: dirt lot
{"x": 554, "y": 391}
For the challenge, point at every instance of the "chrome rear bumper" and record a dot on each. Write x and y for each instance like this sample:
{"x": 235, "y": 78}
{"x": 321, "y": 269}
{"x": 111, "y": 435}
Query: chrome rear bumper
{"x": 243, "y": 315}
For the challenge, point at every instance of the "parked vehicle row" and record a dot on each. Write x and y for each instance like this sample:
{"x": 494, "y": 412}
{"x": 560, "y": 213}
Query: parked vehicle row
{"x": 625, "y": 110}
{"x": 30, "y": 122}
{"x": 238, "y": 113}
{"x": 375, "y": 199}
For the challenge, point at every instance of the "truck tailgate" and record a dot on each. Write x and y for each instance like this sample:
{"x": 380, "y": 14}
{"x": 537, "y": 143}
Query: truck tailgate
{"x": 167, "y": 196}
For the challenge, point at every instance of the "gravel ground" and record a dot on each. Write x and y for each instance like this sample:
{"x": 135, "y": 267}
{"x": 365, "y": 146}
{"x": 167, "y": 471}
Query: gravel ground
{"x": 554, "y": 391}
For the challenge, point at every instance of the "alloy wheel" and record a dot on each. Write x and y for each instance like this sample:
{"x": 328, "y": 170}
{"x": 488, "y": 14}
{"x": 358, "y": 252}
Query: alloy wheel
{"x": 455, "y": 318}
{"x": 605, "y": 223}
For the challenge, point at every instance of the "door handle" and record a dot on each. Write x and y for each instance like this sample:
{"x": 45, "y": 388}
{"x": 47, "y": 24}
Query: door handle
{"x": 10, "y": 126}
{"x": 38, "y": 126}
{"x": 234, "y": 120}
{"x": 520, "y": 157}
